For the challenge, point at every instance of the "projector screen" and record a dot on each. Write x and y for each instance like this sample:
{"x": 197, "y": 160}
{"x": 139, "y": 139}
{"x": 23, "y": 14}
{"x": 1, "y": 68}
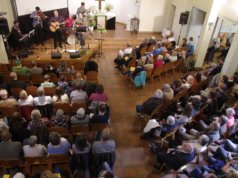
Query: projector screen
{"x": 25, "y": 7}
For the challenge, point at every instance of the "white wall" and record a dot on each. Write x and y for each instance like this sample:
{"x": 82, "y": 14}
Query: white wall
{"x": 196, "y": 24}
{"x": 121, "y": 8}
{"x": 228, "y": 27}
{"x": 5, "y": 7}
{"x": 153, "y": 15}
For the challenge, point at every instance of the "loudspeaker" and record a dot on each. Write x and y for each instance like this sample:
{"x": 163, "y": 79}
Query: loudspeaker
{"x": 4, "y": 28}
{"x": 74, "y": 55}
{"x": 55, "y": 55}
{"x": 183, "y": 20}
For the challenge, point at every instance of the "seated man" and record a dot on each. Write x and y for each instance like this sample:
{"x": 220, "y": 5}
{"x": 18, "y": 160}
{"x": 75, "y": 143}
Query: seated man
{"x": 47, "y": 82}
{"x": 9, "y": 149}
{"x": 150, "y": 104}
{"x": 42, "y": 99}
{"x": 176, "y": 158}
{"x": 80, "y": 117}
{"x": 14, "y": 82}
{"x": 35, "y": 69}
{"x": 5, "y": 101}
{"x": 78, "y": 95}
{"x": 19, "y": 69}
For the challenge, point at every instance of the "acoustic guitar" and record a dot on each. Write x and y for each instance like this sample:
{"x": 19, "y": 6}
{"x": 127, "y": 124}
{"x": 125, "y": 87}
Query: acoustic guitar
{"x": 55, "y": 26}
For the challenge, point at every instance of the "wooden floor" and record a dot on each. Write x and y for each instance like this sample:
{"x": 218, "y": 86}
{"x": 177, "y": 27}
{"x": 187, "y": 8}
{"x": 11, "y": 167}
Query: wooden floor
{"x": 134, "y": 159}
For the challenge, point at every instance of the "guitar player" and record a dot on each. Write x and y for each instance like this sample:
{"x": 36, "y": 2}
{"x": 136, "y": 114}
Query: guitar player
{"x": 55, "y": 22}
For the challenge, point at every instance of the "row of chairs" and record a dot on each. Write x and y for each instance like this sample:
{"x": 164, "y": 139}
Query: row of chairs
{"x": 36, "y": 79}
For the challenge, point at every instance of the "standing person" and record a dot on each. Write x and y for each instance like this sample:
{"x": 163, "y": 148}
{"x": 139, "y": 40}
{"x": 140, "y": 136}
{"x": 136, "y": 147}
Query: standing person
{"x": 37, "y": 24}
{"x": 81, "y": 9}
{"x": 55, "y": 23}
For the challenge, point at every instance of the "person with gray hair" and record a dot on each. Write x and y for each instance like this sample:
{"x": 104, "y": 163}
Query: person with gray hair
{"x": 47, "y": 82}
{"x": 168, "y": 92}
{"x": 150, "y": 104}
{"x": 60, "y": 119}
{"x": 32, "y": 149}
{"x": 42, "y": 99}
{"x": 176, "y": 158}
{"x": 5, "y": 101}
{"x": 80, "y": 117}
{"x": 25, "y": 99}
{"x": 169, "y": 125}
{"x": 37, "y": 120}
{"x": 105, "y": 145}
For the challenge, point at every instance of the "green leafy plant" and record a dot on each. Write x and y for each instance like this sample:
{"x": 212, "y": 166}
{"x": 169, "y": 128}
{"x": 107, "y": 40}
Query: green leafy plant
{"x": 108, "y": 7}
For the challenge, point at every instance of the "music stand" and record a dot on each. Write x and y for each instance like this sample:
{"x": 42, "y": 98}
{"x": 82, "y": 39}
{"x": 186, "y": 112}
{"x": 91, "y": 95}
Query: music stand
{"x": 101, "y": 26}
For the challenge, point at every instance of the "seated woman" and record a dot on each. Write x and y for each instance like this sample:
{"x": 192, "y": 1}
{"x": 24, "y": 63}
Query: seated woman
{"x": 37, "y": 120}
{"x": 63, "y": 68}
{"x": 99, "y": 96}
{"x": 58, "y": 144}
{"x": 78, "y": 79}
{"x": 32, "y": 149}
{"x": 171, "y": 57}
{"x": 5, "y": 101}
{"x": 168, "y": 92}
{"x": 80, "y": 117}
{"x": 25, "y": 99}
{"x": 158, "y": 63}
{"x": 60, "y": 119}
{"x": 60, "y": 96}
{"x": 186, "y": 115}
{"x": 103, "y": 114}
{"x": 150, "y": 104}
{"x": 63, "y": 84}
{"x": 230, "y": 112}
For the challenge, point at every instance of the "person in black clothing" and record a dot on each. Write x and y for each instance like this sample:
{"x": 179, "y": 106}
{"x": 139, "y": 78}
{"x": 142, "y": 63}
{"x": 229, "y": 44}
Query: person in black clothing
{"x": 103, "y": 114}
{"x": 2, "y": 84}
{"x": 90, "y": 65}
{"x": 15, "y": 83}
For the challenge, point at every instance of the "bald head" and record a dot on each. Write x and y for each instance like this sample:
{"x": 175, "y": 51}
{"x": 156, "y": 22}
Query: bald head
{"x": 13, "y": 75}
{"x": 187, "y": 147}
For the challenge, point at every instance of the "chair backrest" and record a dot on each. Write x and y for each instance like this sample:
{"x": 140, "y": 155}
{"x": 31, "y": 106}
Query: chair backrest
{"x": 46, "y": 110}
{"x": 58, "y": 159}
{"x": 37, "y": 79}
{"x": 15, "y": 92}
{"x": 143, "y": 50}
{"x": 150, "y": 48}
{"x": 4, "y": 68}
{"x": 98, "y": 127}
{"x": 24, "y": 78}
{"x": 61, "y": 130}
{"x": 34, "y": 161}
{"x": 64, "y": 106}
{"x": 26, "y": 111}
{"x": 49, "y": 91}
{"x": 92, "y": 76}
{"x": 78, "y": 66}
{"x": 76, "y": 106}
{"x": 7, "y": 111}
{"x": 53, "y": 77}
{"x": 11, "y": 163}
{"x": 76, "y": 129}
{"x": 99, "y": 159}
{"x": 32, "y": 90}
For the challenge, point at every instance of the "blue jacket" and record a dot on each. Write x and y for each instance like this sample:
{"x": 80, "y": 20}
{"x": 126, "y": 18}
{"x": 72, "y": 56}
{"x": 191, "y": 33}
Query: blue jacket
{"x": 140, "y": 79}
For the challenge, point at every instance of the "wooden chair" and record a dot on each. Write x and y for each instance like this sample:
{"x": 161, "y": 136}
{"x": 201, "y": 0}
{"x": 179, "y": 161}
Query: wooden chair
{"x": 15, "y": 92}
{"x": 25, "y": 111}
{"x": 7, "y": 111}
{"x": 60, "y": 160}
{"x": 150, "y": 48}
{"x": 32, "y": 90}
{"x": 61, "y": 130}
{"x": 42, "y": 65}
{"x": 78, "y": 66}
{"x": 171, "y": 67}
{"x": 4, "y": 68}
{"x": 53, "y": 77}
{"x": 98, "y": 127}
{"x": 49, "y": 91}
{"x": 92, "y": 77}
{"x": 178, "y": 64}
{"x": 11, "y": 163}
{"x": 163, "y": 69}
{"x": 37, "y": 79}
{"x": 40, "y": 162}
{"x": 64, "y": 106}
{"x": 76, "y": 106}
{"x": 157, "y": 73}
{"x": 24, "y": 78}
{"x": 68, "y": 76}
{"x": 149, "y": 74}
{"x": 77, "y": 128}
{"x": 143, "y": 50}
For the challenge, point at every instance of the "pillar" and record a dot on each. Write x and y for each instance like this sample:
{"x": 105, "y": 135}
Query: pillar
{"x": 231, "y": 62}
{"x": 207, "y": 31}
{"x": 4, "y": 57}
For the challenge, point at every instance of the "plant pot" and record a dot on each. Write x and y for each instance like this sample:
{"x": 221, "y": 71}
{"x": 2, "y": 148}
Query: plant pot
{"x": 91, "y": 28}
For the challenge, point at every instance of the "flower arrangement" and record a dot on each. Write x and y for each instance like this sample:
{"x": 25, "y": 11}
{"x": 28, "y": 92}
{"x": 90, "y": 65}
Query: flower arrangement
{"x": 108, "y": 7}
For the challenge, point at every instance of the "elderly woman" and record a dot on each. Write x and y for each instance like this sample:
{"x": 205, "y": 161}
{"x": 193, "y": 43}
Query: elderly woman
{"x": 186, "y": 114}
{"x": 5, "y": 101}
{"x": 150, "y": 104}
{"x": 60, "y": 120}
{"x": 60, "y": 96}
{"x": 58, "y": 144}
{"x": 189, "y": 82}
{"x": 230, "y": 112}
{"x": 33, "y": 149}
{"x": 37, "y": 120}
{"x": 42, "y": 99}
{"x": 168, "y": 92}
{"x": 80, "y": 117}
{"x": 25, "y": 99}
{"x": 105, "y": 145}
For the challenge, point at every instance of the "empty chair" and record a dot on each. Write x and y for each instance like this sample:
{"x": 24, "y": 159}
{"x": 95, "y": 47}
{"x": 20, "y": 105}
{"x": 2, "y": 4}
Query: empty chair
{"x": 76, "y": 106}
{"x": 92, "y": 77}
{"x": 32, "y": 90}
{"x": 49, "y": 91}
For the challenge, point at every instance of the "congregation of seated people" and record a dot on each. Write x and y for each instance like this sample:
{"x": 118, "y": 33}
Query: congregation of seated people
{"x": 201, "y": 124}
{"x": 27, "y": 131}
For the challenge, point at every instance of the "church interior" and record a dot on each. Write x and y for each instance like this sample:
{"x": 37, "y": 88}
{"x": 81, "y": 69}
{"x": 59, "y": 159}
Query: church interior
{"x": 118, "y": 89}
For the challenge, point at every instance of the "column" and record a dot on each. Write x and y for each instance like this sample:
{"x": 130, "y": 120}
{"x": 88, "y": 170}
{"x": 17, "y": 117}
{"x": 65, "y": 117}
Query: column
{"x": 231, "y": 62}
{"x": 207, "y": 31}
{"x": 4, "y": 57}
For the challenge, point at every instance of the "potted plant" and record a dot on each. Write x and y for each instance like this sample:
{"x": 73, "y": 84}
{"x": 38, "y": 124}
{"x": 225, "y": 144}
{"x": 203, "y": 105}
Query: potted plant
{"x": 91, "y": 22}
{"x": 108, "y": 7}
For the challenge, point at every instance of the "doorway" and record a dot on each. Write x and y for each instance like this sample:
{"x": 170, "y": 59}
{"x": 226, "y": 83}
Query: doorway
{"x": 171, "y": 16}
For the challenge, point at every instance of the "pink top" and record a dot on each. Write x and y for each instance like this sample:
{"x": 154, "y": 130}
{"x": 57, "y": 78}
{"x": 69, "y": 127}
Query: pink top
{"x": 158, "y": 64}
{"x": 230, "y": 122}
{"x": 101, "y": 97}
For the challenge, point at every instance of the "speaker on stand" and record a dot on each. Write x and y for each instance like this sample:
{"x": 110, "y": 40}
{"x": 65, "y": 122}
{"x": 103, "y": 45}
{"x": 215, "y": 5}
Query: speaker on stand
{"x": 183, "y": 20}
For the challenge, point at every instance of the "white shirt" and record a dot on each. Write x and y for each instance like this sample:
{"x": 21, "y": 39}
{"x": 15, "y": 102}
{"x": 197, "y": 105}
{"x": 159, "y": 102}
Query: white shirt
{"x": 152, "y": 123}
{"x": 42, "y": 100}
{"x": 28, "y": 101}
{"x": 64, "y": 98}
{"x": 36, "y": 150}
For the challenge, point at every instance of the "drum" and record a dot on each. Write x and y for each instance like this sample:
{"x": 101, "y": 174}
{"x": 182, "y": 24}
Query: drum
{"x": 67, "y": 31}
{"x": 71, "y": 40}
